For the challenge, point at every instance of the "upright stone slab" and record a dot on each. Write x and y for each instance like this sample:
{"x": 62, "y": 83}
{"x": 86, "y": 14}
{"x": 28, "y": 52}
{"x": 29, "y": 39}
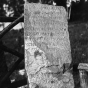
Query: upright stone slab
{"x": 83, "y": 71}
{"x": 47, "y": 46}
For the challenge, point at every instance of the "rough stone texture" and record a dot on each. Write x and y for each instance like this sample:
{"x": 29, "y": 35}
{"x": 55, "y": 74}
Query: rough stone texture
{"x": 83, "y": 66}
{"x": 83, "y": 70}
{"x": 83, "y": 78}
{"x": 47, "y": 46}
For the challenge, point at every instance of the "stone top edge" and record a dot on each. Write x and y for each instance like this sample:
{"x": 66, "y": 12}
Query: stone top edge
{"x": 83, "y": 66}
{"x": 42, "y": 5}
{"x": 45, "y": 6}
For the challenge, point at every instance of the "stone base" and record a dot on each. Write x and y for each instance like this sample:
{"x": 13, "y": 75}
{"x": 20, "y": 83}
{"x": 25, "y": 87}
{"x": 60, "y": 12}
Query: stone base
{"x": 43, "y": 80}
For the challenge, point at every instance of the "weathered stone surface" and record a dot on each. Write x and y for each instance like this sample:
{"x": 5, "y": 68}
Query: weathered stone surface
{"x": 47, "y": 46}
{"x": 83, "y": 78}
{"x": 83, "y": 70}
{"x": 83, "y": 66}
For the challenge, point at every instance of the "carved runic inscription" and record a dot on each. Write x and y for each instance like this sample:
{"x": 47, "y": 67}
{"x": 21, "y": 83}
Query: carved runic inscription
{"x": 47, "y": 46}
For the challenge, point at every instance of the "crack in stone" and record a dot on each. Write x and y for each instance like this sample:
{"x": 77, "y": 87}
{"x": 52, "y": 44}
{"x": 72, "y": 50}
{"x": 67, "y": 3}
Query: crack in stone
{"x": 49, "y": 72}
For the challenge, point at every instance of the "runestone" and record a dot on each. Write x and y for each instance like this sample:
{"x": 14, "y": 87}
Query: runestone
{"x": 47, "y": 46}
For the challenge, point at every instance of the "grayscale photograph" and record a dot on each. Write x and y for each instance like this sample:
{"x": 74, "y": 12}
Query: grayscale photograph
{"x": 43, "y": 43}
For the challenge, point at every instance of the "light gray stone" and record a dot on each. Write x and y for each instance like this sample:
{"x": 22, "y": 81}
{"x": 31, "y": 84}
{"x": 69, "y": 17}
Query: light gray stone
{"x": 83, "y": 66}
{"x": 47, "y": 46}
